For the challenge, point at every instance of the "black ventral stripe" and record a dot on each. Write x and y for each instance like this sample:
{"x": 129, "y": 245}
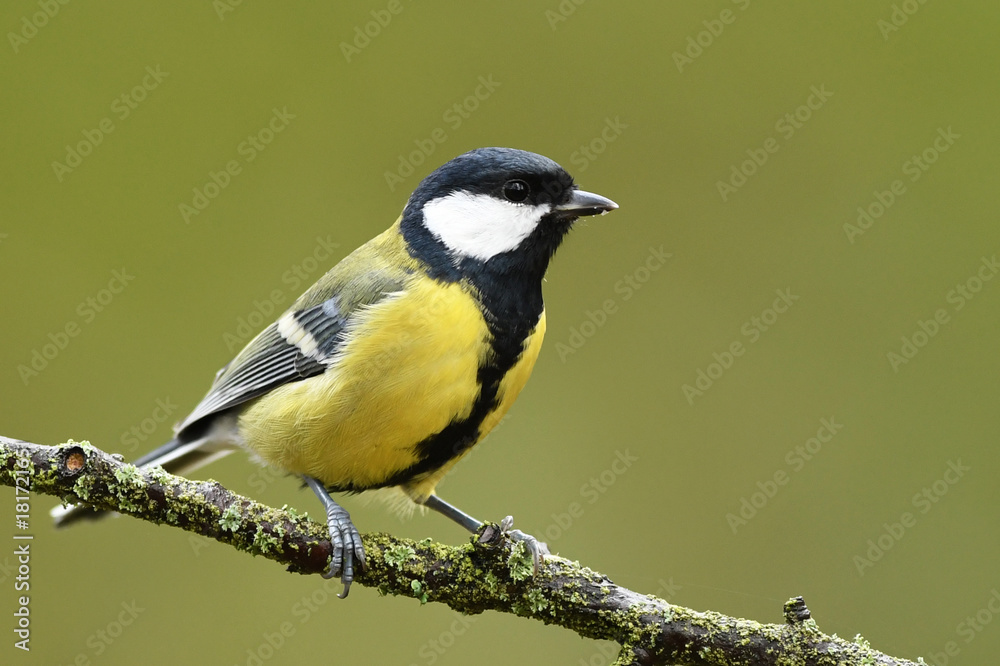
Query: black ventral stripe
{"x": 511, "y": 315}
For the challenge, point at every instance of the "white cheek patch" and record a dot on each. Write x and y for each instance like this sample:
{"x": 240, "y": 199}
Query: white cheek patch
{"x": 481, "y": 226}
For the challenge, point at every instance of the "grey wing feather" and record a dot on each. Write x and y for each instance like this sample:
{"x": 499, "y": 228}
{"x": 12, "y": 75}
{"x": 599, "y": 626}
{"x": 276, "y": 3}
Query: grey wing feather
{"x": 308, "y": 337}
{"x": 271, "y": 360}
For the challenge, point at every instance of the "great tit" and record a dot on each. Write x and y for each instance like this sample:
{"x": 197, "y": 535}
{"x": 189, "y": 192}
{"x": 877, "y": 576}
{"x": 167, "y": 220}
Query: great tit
{"x": 403, "y": 356}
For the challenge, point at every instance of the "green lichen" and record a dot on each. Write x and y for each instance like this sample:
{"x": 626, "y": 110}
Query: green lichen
{"x": 264, "y": 542}
{"x": 82, "y": 487}
{"x": 158, "y": 474}
{"x": 520, "y": 564}
{"x": 494, "y": 585}
{"x": 461, "y": 577}
{"x": 129, "y": 475}
{"x": 230, "y": 519}
{"x": 396, "y": 556}
{"x": 418, "y": 591}
{"x": 537, "y": 601}
{"x": 129, "y": 490}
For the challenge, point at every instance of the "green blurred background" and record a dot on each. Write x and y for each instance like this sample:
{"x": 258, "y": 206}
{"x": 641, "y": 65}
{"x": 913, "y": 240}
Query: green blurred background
{"x": 651, "y": 105}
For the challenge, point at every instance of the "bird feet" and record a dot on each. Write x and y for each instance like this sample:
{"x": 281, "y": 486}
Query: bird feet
{"x": 538, "y": 549}
{"x": 345, "y": 541}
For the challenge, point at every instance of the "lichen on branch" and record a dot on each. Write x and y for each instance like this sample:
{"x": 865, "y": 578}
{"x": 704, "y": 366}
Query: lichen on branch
{"x": 489, "y": 573}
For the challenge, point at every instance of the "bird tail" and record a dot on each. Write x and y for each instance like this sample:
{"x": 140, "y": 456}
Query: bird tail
{"x": 178, "y": 456}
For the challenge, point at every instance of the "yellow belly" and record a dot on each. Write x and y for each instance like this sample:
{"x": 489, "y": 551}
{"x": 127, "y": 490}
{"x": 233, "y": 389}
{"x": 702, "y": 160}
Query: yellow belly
{"x": 407, "y": 370}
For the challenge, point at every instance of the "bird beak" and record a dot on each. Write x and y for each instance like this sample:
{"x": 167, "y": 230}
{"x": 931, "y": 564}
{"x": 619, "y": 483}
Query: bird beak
{"x": 586, "y": 203}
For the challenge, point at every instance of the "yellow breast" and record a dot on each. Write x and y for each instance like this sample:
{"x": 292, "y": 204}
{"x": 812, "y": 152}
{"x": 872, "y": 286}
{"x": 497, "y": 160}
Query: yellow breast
{"x": 419, "y": 488}
{"x": 408, "y": 368}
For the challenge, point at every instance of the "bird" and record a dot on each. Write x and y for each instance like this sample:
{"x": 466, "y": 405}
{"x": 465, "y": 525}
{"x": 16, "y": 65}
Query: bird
{"x": 404, "y": 355}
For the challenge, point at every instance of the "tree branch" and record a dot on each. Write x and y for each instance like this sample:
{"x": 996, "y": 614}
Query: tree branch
{"x": 487, "y": 574}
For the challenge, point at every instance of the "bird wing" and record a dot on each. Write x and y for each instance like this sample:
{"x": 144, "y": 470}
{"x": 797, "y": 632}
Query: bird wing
{"x": 307, "y": 337}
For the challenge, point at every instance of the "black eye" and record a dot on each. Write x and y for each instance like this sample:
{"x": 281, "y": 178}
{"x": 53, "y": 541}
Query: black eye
{"x": 516, "y": 190}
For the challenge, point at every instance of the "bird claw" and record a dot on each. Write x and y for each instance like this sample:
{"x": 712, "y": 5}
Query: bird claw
{"x": 538, "y": 549}
{"x": 347, "y": 550}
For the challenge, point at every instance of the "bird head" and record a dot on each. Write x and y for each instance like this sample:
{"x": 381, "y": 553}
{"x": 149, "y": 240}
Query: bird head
{"x": 495, "y": 207}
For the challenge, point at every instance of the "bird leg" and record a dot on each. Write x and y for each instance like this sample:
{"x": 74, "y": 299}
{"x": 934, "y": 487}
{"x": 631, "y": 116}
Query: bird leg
{"x": 537, "y": 548}
{"x": 344, "y": 538}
